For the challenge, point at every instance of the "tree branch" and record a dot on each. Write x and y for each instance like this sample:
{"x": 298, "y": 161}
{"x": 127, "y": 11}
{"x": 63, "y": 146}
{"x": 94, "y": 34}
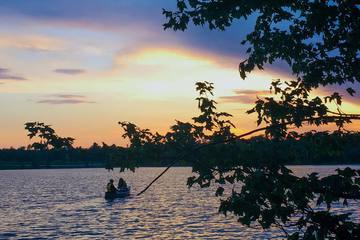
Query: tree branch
{"x": 330, "y": 118}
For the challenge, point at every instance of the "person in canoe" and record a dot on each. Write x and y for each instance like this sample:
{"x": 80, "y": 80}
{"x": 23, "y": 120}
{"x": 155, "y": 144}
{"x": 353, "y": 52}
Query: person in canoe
{"x": 110, "y": 187}
{"x": 122, "y": 184}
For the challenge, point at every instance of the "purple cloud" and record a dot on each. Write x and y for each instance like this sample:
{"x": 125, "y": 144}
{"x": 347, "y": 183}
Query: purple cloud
{"x": 63, "y": 101}
{"x": 117, "y": 14}
{"x": 5, "y": 75}
{"x": 238, "y": 99}
{"x": 69, "y": 96}
{"x": 251, "y": 92}
{"x": 58, "y": 99}
{"x": 69, "y": 71}
{"x": 244, "y": 96}
{"x": 328, "y": 90}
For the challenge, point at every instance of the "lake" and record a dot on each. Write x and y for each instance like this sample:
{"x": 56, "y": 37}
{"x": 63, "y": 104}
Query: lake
{"x": 69, "y": 204}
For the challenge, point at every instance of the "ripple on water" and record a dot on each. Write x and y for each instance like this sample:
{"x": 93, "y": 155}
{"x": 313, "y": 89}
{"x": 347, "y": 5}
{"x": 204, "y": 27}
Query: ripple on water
{"x": 69, "y": 204}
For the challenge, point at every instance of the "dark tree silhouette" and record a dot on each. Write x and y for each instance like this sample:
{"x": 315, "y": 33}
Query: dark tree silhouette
{"x": 320, "y": 41}
{"x": 267, "y": 191}
{"x": 47, "y": 137}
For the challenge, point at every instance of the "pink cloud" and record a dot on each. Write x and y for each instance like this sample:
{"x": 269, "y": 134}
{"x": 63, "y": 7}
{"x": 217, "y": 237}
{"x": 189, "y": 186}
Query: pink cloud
{"x": 244, "y": 96}
{"x": 69, "y": 71}
{"x": 58, "y": 99}
{"x": 6, "y": 75}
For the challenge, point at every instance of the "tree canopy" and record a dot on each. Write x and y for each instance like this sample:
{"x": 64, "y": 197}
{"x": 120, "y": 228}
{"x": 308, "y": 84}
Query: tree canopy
{"x": 47, "y": 137}
{"x": 318, "y": 39}
{"x": 263, "y": 190}
{"x": 320, "y": 42}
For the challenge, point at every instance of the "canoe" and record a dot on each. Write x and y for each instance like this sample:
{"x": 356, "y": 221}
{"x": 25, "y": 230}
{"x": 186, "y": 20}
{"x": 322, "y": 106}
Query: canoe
{"x": 121, "y": 193}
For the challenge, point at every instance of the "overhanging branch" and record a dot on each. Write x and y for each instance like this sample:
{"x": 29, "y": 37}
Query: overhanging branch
{"x": 177, "y": 158}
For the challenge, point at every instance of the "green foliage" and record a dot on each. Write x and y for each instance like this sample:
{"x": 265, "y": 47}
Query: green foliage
{"x": 319, "y": 40}
{"x": 47, "y": 137}
{"x": 269, "y": 193}
{"x": 309, "y": 148}
{"x": 272, "y": 195}
{"x": 295, "y": 107}
{"x": 209, "y": 127}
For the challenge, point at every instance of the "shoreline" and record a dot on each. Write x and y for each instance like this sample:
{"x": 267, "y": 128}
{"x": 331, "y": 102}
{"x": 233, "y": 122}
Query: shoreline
{"x": 79, "y": 166}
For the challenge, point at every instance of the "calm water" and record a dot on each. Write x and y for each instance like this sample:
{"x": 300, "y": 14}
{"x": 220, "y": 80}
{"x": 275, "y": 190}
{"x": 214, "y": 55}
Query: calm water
{"x": 69, "y": 204}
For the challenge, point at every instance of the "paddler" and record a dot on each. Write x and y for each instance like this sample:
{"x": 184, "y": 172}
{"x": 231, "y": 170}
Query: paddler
{"x": 122, "y": 184}
{"x": 110, "y": 186}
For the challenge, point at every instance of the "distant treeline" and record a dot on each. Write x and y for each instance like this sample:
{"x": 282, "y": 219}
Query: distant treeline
{"x": 95, "y": 156}
{"x": 104, "y": 155}
{"x": 311, "y": 148}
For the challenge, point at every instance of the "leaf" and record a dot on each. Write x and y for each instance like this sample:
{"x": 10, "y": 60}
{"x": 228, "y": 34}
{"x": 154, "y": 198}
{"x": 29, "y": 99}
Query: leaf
{"x": 219, "y": 191}
{"x": 351, "y": 91}
{"x": 294, "y": 236}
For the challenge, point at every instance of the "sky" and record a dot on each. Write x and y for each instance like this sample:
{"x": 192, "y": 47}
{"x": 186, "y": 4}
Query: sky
{"x": 82, "y": 66}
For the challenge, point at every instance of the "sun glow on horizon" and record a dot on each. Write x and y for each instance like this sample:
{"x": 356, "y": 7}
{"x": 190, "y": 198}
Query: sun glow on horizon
{"x": 83, "y": 78}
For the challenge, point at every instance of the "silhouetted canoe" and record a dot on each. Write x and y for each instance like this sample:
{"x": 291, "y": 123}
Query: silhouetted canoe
{"x": 121, "y": 193}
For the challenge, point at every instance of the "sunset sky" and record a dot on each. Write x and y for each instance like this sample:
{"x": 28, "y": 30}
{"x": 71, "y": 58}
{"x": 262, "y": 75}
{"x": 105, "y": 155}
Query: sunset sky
{"x": 82, "y": 66}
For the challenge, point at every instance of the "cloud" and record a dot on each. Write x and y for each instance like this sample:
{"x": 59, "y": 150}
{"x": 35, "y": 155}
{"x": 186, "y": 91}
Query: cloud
{"x": 69, "y": 71}
{"x": 69, "y": 96}
{"x": 142, "y": 20}
{"x": 63, "y": 101}
{"x": 142, "y": 17}
{"x": 32, "y": 43}
{"x": 244, "y": 96}
{"x": 250, "y": 96}
{"x": 5, "y": 75}
{"x": 251, "y": 92}
{"x": 58, "y": 99}
{"x": 341, "y": 89}
{"x": 238, "y": 99}
{"x": 94, "y": 14}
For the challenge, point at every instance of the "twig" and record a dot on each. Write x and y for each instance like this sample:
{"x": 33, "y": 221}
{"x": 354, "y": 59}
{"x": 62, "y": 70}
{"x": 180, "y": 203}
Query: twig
{"x": 197, "y": 149}
{"x": 162, "y": 173}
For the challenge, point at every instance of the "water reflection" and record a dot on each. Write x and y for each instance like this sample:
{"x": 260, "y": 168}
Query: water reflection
{"x": 70, "y": 204}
